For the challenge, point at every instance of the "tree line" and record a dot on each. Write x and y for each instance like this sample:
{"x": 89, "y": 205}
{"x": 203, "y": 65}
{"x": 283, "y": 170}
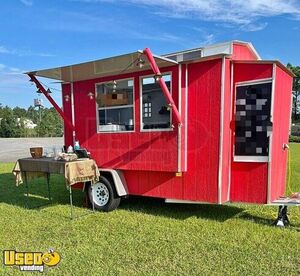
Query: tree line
{"x": 13, "y": 122}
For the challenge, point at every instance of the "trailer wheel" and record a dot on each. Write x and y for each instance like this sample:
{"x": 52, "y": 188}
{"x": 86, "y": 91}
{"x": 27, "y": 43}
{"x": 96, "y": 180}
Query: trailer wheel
{"x": 104, "y": 195}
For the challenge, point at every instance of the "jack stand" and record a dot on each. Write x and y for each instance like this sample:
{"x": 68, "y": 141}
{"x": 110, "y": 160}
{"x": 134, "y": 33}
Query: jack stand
{"x": 282, "y": 219}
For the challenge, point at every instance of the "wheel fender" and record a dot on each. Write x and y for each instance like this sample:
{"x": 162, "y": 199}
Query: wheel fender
{"x": 119, "y": 181}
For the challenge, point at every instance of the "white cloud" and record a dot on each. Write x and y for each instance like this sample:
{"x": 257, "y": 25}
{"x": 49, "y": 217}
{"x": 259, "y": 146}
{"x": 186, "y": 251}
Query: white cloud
{"x": 254, "y": 27}
{"x": 22, "y": 52}
{"x": 11, "y": 77}
{"x": 89, "y": 23}
{"x": 3, "y": 50}
{"x": 208, "y": 39}
{"x": 14, "y": 84}
{"x": 27, "y": 2}
{"x": 238, "y": 12}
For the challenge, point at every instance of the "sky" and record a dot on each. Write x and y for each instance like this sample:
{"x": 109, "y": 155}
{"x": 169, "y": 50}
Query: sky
{"x": 36, "y": 34}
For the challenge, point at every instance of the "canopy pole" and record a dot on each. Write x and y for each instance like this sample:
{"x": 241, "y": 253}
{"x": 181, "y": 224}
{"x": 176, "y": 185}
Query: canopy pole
{"x": 163, "y": 85}
{"x": 50, "y": 99}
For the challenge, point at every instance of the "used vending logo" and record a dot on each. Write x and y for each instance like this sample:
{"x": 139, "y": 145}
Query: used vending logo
{"x": 31, "y": 261}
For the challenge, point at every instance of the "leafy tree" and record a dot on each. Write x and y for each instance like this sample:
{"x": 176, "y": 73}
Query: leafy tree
{"x": 20, "y": 112}
{"x": 9, "y": 126}
{"x": 33, "y": 114}
{"x": 5, "y": 111}
{"x": 51, "y": 124}
{"x": 296, "y": 91}
{"x": 12, "y": 122}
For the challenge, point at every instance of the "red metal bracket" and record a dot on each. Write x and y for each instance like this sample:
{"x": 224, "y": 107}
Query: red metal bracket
{"x": 50, "y": 99}
{"x": 163, "y": 85}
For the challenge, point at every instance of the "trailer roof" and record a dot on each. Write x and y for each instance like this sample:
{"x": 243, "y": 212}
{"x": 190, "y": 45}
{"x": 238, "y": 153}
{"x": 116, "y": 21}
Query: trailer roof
{"x": 116, "y": 65}
{"x": 128, "y": 63}
{"x": 224, "y": 48}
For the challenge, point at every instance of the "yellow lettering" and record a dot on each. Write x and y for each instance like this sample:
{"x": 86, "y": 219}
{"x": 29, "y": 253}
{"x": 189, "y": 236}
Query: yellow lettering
{"x": 28, "y": 258}
{"x": 9, "y": 257}
{"x": 37, "y": 258}
{"x": 19, "y": 258}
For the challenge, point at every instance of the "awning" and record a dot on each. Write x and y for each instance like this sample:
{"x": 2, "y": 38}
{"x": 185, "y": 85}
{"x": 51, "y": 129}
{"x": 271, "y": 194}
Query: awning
{"x": 117, "y": 65}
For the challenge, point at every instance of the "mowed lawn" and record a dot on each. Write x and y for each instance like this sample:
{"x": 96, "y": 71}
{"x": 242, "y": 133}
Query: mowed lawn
{"x": 148, "y": 237}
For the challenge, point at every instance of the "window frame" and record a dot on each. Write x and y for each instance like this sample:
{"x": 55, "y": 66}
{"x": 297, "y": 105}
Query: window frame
{"x": 141, "y": 103}
{"x": 113, "y": 107}
{"x": 252, "y": 158}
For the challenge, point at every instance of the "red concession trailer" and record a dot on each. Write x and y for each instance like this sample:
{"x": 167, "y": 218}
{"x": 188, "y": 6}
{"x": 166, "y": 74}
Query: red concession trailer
{"x": 207, "y": 125}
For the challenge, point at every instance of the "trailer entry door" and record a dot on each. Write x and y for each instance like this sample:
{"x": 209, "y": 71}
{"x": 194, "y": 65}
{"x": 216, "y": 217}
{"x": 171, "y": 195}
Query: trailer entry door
{"x": 252, "y": 122}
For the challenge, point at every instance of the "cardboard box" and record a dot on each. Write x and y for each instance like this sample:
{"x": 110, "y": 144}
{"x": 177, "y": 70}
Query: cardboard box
{"x": 114, "y": 99}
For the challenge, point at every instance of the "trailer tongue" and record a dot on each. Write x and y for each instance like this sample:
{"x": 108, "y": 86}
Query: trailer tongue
{"x": 282, "y": 218}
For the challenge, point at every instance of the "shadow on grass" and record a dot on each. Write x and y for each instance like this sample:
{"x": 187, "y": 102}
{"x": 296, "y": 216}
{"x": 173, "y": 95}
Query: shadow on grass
{"x": 38, "y": 192}
{"x": 266, "y": 221}
{"x": 13, "y": 195}
{"x": 38, "y": 196}
{"x": 158, "y": 207}
{"x": 256, "y": 219}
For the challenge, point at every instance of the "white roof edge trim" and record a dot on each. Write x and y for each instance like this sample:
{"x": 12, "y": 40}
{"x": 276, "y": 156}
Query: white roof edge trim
{"x": 162, "y": 57}
{"x": 250, "y": 46}
{"x": 209, "y": 48}
{"x": 183, "y": 52}
{"x": 254, "y": 50}
{"x": 216, "y": 49}
{"x": 165, "y": 59}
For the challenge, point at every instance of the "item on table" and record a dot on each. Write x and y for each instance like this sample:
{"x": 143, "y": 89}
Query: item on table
{"x": 57, "y": 151}
{"x": 76, "y": 145}
{"x": 70, "y": 149}
{"x": 82, "y": 153}
{"x": 66, "y": 157}
{"x": 36, "y": 152}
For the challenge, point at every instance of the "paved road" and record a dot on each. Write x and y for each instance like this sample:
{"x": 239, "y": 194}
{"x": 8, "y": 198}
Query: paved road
{"x": 12, "y": 149}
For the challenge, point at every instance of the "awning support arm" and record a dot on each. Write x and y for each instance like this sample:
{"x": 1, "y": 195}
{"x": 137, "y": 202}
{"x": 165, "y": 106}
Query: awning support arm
{"x": 50, "y": 99}
{"x": 163, "y": 85}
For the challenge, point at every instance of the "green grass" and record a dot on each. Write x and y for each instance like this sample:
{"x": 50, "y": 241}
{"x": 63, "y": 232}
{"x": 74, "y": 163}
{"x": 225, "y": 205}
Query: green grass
{"x": 147, "y": 237}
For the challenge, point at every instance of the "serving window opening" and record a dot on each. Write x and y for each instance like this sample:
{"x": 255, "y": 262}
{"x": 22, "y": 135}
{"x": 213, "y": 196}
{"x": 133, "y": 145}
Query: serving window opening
{"x": 115, "y": 106}
{"x": 252, "y": 122}
{"x": 155, "y": 111}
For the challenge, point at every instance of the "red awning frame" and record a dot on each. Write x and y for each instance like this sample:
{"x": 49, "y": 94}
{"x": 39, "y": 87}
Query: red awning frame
{"x": 51, "y": 100}
{"x": 162, "y": 83}
{"x": 158, "y": 77}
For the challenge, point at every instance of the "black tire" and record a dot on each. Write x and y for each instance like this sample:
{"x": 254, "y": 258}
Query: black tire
{"x": 105, "y": 195}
